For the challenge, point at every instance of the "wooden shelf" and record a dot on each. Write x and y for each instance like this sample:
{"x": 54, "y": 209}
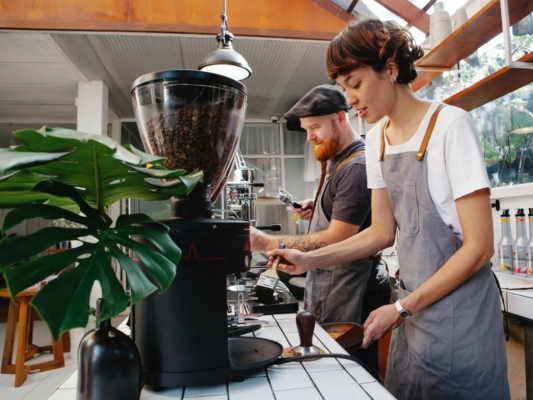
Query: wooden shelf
{"x": 504, "y": 81}
{"x": 474, "y": 33}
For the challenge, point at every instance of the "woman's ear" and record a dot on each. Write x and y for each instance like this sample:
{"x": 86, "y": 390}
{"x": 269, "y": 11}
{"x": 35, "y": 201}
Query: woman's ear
{"x": 392, "y": 68}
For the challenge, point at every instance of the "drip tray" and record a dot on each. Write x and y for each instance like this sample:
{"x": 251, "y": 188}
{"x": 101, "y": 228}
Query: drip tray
{"x": 247, "y": 354}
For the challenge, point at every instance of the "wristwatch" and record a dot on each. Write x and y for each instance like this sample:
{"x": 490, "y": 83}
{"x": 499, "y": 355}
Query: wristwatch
{"x": 402, "y": 311}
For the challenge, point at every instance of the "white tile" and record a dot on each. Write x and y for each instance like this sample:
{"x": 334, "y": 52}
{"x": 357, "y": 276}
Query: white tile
{"x": 302, "y": 394}
{"x": 280, "y": 317}
{"x": 3, "y": 377}
{"x": 359, "y": 374}
{"x": 377, "y": 391}
{"x": 274, "y": 334}
{"x": 333, "y": 347}
{"x": 322, "y": 365}
{"x": 206, "y": 391}
{"x": 330, "y": 343}
{"x": 148, "y": 394}
{"x": 338, "y": 385}
{"x": 289, "y": 376}
{"x": 251, "y": 388}
{"x": 71, "y": 382}
{"x": 217, "y": 397}
{"x": 320, "y": 332}
{"x": 294, "y": 338}
{"x": 42, "y": 391}
{"x": 60, "y": 375}
{"x": 288, "y": 325}
{"x": 33, "y": 379}
{"x": 63, "y": 394}
{"x": 13, "y": 393}
{"x": 269, "y": 318}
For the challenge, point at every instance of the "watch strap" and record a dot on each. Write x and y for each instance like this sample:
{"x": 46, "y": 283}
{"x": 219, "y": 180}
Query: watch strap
{"x": 402, "y": 311}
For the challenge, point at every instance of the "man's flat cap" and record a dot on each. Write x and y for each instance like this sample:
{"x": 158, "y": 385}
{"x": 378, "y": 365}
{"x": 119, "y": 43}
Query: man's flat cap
{"x": 321, "y": 100}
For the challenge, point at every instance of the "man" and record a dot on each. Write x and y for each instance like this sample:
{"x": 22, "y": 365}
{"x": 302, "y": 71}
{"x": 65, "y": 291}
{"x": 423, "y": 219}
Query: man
{"x": 340, "y": 210}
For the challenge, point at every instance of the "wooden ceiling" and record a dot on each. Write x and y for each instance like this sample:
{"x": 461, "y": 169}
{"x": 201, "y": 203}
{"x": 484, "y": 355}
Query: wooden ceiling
{"x": 296, "y": 19}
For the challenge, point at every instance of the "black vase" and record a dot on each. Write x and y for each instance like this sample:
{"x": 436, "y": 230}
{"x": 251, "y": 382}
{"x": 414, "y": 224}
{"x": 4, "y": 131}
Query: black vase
{"x": 109, "y": 364}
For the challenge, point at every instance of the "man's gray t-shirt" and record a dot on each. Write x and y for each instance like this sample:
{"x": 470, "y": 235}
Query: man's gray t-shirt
{"x": 346, "y": 196}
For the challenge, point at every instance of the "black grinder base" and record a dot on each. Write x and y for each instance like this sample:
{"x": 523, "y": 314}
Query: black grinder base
{"x": 182, "y": 334}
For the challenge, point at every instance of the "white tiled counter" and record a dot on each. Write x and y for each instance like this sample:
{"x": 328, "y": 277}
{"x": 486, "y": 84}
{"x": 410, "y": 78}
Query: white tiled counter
{"x": 328, "y": 378}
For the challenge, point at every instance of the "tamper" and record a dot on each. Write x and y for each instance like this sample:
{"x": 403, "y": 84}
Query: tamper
{"x": 305, "y": 322}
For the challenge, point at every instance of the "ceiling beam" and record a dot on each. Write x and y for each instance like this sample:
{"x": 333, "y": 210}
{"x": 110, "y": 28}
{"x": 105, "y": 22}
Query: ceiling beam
{"x": 296, "y": 19}
{"x": 409, "y": 12}
{"x": 334, "y": 9}
{"x": 352, "y": 6}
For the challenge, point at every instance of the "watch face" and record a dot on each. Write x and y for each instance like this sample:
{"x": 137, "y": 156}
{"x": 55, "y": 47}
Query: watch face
{"x": 404, "y": 314}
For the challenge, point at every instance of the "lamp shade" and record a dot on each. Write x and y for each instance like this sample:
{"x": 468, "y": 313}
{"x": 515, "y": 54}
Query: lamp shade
{"x": 226, "y": 61}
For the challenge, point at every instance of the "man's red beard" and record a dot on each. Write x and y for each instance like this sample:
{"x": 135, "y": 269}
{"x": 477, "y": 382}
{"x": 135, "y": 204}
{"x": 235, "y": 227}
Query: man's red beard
{"x": 328, "y": 148}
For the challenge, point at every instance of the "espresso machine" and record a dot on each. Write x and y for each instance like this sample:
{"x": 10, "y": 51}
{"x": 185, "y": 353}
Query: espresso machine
{"x": 195, "y": 119}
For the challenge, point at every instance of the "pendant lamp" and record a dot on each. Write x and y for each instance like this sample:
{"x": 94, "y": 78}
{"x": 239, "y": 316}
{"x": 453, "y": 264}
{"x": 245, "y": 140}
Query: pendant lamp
{"x": 224, "y": 60}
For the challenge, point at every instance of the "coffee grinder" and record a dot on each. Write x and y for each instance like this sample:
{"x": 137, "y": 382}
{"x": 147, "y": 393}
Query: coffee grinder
{"x": 195, "y": 119}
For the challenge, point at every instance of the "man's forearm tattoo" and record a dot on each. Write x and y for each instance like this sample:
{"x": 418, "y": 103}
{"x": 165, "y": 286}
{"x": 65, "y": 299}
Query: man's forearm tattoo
{"x": 303, "y": 243}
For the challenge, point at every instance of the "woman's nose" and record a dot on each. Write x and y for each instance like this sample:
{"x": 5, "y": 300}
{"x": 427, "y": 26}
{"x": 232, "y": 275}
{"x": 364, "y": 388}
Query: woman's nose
{"x": 351, "y": 100}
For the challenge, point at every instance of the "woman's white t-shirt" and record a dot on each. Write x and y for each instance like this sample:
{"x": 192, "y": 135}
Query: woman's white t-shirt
{"x": 454, "y": 159}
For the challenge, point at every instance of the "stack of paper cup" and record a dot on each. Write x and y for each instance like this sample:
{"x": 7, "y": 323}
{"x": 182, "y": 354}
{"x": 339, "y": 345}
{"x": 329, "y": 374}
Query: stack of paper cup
{"x": 440, "y": 26}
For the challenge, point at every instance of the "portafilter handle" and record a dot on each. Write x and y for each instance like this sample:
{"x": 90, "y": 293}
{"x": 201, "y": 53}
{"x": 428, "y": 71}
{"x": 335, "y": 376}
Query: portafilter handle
{"x": 271, "y": 227}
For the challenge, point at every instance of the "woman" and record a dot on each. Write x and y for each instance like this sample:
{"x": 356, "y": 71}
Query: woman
{"x": 428, "y": 178}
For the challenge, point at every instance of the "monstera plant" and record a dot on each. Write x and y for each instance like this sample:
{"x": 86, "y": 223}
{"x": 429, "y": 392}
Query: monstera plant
{"x": 59, "y": 173}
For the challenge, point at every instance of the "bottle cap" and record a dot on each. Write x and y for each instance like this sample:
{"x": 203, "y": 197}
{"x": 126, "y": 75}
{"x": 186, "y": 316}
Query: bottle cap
{"x": 520, "y": 212}
{"x": 505, "y": 213}
{"x": 531, "y": 212}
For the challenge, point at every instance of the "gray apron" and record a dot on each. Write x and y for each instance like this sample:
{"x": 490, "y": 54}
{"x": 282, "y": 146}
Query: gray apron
{"x": 454, "y": 348}
{"x": 335, "y": 294}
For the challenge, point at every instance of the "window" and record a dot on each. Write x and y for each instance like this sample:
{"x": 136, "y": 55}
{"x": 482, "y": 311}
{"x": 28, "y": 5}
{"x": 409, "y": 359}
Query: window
{"x": 278, "y": 157}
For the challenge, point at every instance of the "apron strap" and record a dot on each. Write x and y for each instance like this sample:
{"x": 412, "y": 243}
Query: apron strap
{"x": 343, "y": 163}
{"x": 505, "y": 308}
{"x": 425, "y": 141}
{"x": 429, "y": 131}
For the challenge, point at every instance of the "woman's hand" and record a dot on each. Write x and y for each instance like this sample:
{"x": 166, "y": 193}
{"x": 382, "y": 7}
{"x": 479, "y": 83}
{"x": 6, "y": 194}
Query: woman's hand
{"x": 379, "y": 322}
{"x": 293, "y": 262}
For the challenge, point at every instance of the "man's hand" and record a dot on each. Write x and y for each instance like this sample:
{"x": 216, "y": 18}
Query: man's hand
{"x": 306, "y": 210}
{"x": 293, "y": 262}
{"x": 260, "y": 241}
{"x": 379, "y": 322}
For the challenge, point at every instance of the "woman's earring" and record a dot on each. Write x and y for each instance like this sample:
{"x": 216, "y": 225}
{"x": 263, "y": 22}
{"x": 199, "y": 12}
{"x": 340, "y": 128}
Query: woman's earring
{"x": 393, "y": 81}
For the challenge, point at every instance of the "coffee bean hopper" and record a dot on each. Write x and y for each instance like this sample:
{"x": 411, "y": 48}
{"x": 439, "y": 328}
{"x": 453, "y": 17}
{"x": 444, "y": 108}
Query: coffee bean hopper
{"x": 195, "y": 119}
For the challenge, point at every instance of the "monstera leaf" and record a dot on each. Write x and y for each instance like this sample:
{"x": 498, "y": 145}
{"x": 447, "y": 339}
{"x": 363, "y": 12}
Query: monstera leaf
{"x": 96, "y": 165}
{"x": 59, "y": 173}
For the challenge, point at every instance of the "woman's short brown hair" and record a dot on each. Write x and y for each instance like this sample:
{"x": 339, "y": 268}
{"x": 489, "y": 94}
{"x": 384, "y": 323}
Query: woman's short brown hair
{"x": 372, "y": 42}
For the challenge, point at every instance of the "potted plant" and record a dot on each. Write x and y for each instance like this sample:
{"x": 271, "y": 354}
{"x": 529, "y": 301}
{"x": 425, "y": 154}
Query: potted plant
{"x": 506, "y": 149}
{"x": 65, "y": 174}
